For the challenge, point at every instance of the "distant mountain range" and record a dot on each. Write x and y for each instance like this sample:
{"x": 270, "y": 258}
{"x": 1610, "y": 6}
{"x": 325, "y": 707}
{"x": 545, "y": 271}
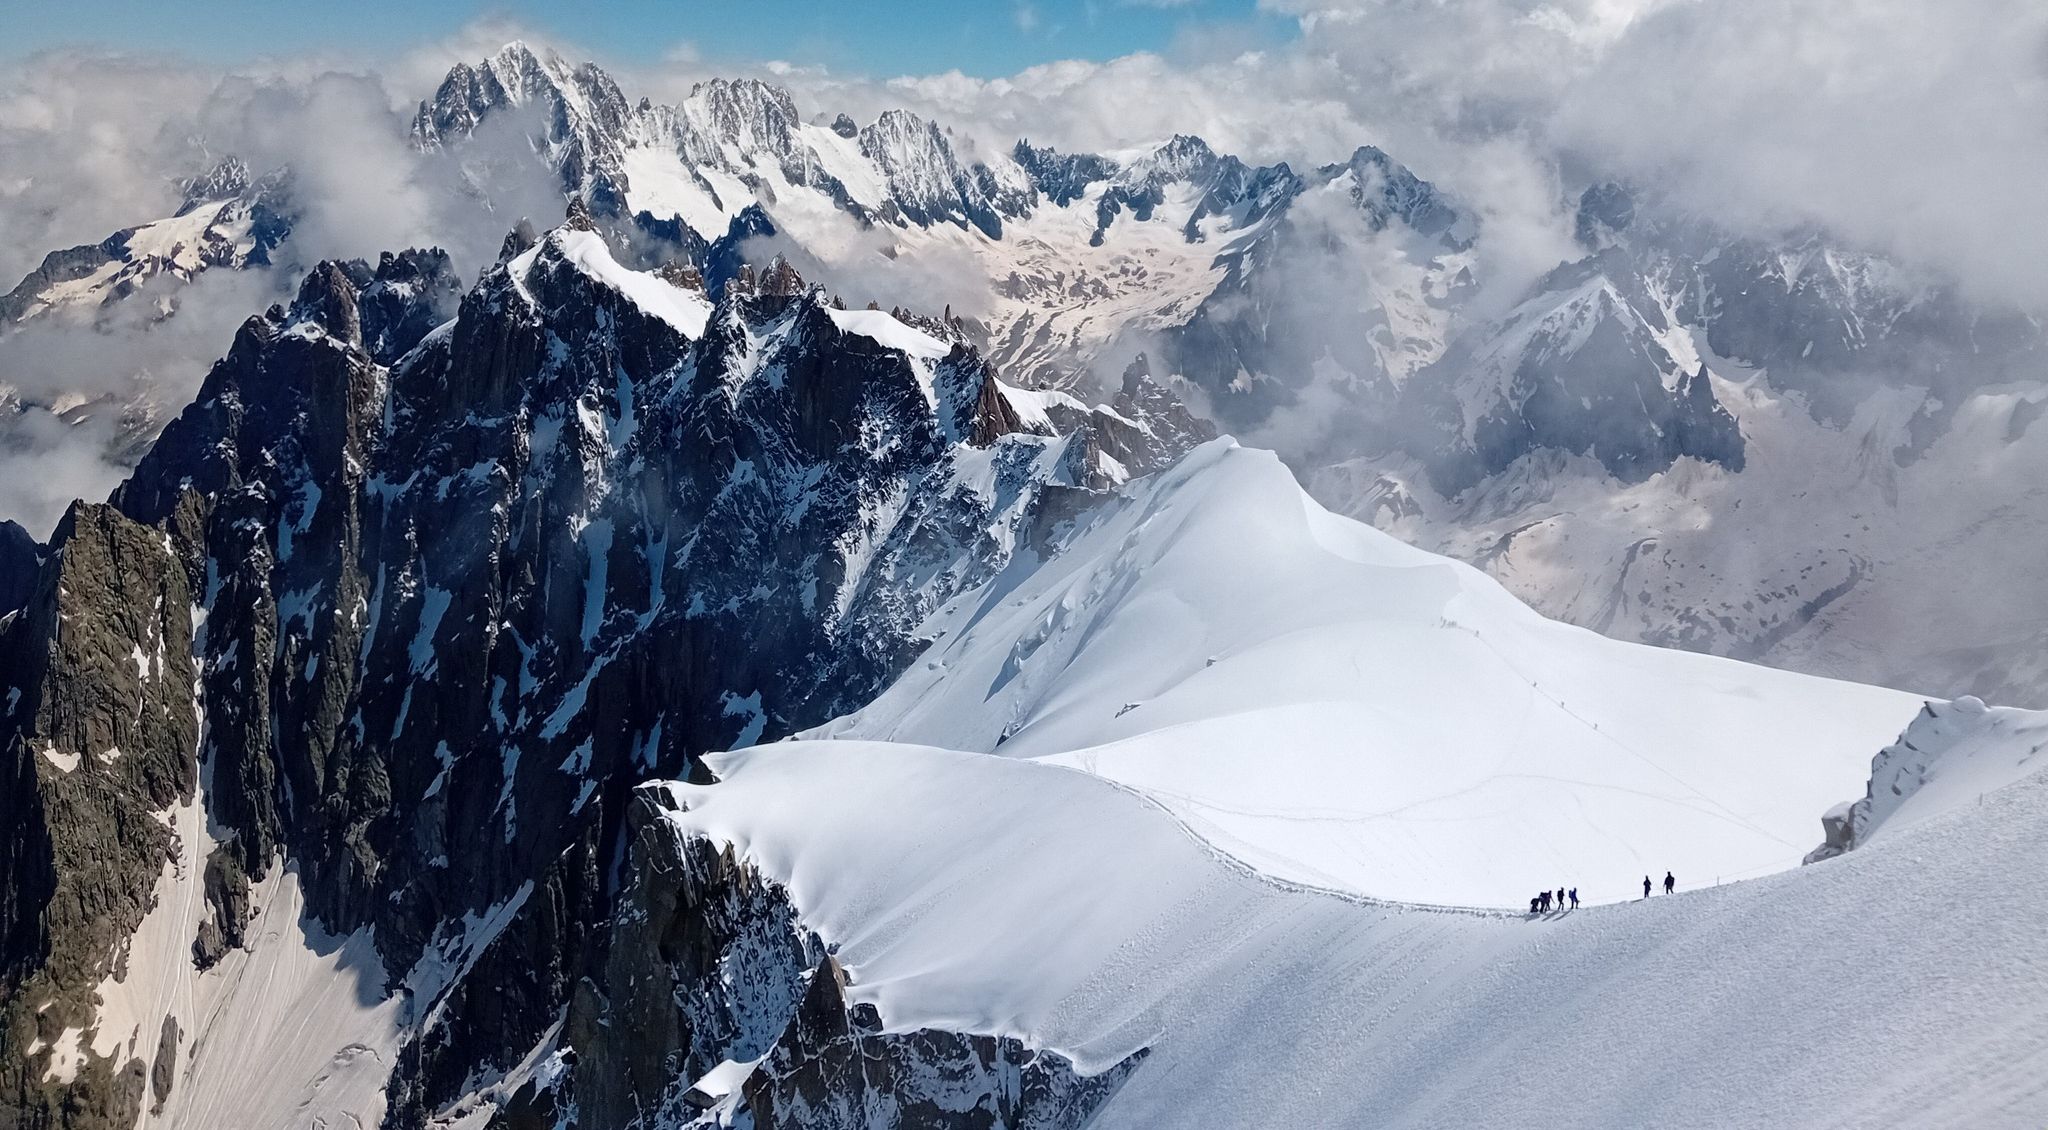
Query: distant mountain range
{"x": 1332, "y": 314}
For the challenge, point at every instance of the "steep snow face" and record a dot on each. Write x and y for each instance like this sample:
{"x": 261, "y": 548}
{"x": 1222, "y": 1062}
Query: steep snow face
{"x": 1024, "y": 898}
{"x": 684, "y": 310}
{"x": 890, "y": 333}
{"x": 927, "y": 183}
{"x": 1330, "y": 706}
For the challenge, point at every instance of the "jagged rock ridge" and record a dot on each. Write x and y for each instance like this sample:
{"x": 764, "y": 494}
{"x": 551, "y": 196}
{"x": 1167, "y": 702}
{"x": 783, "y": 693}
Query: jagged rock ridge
{"x": 418, "y": 603}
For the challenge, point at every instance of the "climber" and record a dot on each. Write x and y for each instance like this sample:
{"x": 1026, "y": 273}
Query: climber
{"x": 1670, "y": 884}
{"x": 1575, "y": 898}
{"x": 1646, "y": 886}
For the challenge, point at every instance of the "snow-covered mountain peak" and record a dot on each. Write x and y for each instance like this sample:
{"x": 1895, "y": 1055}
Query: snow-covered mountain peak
{"x": 230, "y": 179}
{"x": 516, "y": 75}
{"x": 581, "y": 249}
{"x": 1061, "y": 177}
{"x": 1179, "y": 158}
{"x": 753, "y": 115}
{"x": 578, "y": 115}
{"x": 521, "y": 72}
{"x": 1386, "y": 191}
{"x": 227, "y": 218}
{"x": 927, "y": 181}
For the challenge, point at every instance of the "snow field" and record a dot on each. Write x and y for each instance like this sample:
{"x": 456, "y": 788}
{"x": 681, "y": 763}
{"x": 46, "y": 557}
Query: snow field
{"x": 1896, "y": 986}
{"x": 1337, "y": 709}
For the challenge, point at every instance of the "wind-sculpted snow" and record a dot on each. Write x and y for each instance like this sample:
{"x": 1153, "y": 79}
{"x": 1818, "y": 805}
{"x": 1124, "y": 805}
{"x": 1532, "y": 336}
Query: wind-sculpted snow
{"x": 1953, "y": 755}
{"x": 1891, "y": 987}
{"x": 1331, "y": 706}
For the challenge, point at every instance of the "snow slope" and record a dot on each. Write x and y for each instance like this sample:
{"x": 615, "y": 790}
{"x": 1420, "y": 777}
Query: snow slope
{"x": 1899, "y": 985}
{"x": 1335, "y": 708}
{"x": 687, "y": 311}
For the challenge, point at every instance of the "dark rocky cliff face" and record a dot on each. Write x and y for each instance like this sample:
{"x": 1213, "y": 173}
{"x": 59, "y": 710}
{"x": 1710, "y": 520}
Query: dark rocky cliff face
{"x": 101, "y": 738}
{"x": 20, "y": 557}
{"x": 422, "y": 603}
{"x": 1579, "y": 368}
{"x": 710, "y": 964}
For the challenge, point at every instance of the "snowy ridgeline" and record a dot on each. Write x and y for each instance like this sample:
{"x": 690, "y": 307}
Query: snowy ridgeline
{"x": 1335, "y": 708}
{"x": 1131, "y": 876}
{"x": 1953, "y": 755}
{"x": 998, "y": 895}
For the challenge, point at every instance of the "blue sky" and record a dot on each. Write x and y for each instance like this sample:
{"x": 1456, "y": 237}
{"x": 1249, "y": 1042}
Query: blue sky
{"x": 879, "y": 37}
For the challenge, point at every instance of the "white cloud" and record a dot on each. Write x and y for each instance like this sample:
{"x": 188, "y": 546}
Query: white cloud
{"x": 1912, "y": 126}
{"x": 124, "y": 355}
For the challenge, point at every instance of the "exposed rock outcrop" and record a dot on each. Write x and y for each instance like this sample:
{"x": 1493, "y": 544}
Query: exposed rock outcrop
{"x": 710, "y": 966}
{"x": 442, "y": 591}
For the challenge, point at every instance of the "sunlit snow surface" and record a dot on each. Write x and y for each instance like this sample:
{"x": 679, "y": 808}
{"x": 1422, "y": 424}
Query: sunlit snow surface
{"x": 1332, "y": 707}
{"x": 1898, "y": 986}
{"x": 1234, "y": 718}
{"x": 687, "y": 311}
